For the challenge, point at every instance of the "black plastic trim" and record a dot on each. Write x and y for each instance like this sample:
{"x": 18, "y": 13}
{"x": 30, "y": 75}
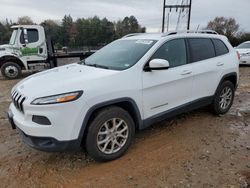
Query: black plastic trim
{"x": 41, "y": 120}
{"x": 108, "y": 103}
{"x": 226, "y": 76}
{"x": 49, "y": 144}
{"x": 149, "y": 69}
{"x": 178, "y": 110}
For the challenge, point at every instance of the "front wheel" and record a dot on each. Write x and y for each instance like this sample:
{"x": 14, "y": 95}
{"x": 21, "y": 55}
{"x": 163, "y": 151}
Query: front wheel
{"x": 224, "y": 97}
{"x": 109, "y": 134}
{"x": 11, "y": 70}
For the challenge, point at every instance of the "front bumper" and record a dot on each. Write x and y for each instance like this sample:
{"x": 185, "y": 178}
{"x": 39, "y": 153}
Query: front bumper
{"x": 45, "y": 143}
{"x": 65, "y": 120}
{"x": 49, "y": 144}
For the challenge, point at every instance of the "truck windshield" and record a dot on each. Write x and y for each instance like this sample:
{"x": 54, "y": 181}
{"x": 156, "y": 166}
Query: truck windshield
{"x": 120, "y": 55}
{"x": 13, "y": 37}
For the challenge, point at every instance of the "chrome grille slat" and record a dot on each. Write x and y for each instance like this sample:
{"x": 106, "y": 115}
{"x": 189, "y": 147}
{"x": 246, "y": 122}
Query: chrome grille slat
{"x": 14, "y": 96}
{"x": 18, "y": 100}
{"x": 13, "y": 93}
{"x": 18, "y": 104}
{"x": 21, "y": 103}
{"x": 15, "y": 102}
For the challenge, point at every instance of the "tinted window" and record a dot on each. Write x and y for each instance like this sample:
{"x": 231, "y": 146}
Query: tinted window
{"x": 201, "y": 49}
{"x": 32, "y": 36}
{"x": 220, "y": 47}
{"x": 173, "y": 51}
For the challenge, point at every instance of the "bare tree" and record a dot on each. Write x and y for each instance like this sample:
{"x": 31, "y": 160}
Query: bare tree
{"x": 224, "y": 26}
{"x": 25, "y": 20}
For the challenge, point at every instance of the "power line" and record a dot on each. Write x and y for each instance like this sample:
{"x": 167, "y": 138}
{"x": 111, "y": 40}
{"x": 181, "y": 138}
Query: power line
{"x": 177, "y": 6}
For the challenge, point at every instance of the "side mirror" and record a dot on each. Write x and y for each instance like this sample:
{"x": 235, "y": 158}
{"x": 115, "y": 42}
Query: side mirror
{"x": 24, "y": 37}
{"x": 158, "y": 64}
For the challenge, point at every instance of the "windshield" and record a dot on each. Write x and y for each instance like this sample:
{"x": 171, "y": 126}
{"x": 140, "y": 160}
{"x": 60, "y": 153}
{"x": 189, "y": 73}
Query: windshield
{"x": 120, "y": 55}
{"x": 13, "y": 37}
{"x": 244, "y": 45}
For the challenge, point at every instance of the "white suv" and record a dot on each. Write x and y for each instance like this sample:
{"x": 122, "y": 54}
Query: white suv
{"x": 131, "y": 83}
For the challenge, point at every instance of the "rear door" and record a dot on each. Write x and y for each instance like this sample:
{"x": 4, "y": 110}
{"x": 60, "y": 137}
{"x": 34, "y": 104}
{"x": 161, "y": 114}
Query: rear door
{"x": 164, "y": 90}
{"x": 206, "y": 68}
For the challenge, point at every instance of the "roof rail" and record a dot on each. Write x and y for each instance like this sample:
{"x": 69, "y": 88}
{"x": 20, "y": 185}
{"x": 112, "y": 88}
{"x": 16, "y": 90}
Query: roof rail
{"x": 132, "y": 34}
{"x": 190, "y": 31}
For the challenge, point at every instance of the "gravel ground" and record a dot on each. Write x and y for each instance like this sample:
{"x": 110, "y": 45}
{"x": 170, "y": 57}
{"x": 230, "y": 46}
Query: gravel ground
{"x": 196, "y": 149}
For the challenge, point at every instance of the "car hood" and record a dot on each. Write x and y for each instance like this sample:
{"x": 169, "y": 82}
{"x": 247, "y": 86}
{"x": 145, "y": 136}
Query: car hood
{"x": 243, "y": 51}
{"x": 61, "y": 80}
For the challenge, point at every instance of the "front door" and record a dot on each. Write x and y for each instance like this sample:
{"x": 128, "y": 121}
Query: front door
{"x": 33, "y": 46}
{"x": 165, "y": 90}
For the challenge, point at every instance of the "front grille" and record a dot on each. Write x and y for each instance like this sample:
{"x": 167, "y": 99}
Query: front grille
{"x": 18, "y": 100}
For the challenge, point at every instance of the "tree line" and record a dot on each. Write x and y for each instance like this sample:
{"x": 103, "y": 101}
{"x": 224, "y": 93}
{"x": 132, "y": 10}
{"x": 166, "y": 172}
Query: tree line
{"x": 89, "y": 32}
{"x": 80, "y": 32}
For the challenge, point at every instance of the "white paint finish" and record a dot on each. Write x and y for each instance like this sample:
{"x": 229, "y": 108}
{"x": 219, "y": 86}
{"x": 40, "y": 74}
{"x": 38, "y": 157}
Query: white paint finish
{"x": 166, "y": 89}
{"x": 153, "y": 92}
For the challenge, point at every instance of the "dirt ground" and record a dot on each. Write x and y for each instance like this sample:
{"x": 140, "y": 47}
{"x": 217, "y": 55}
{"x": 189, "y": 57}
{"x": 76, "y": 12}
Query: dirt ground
{"x": 196, "y": 149}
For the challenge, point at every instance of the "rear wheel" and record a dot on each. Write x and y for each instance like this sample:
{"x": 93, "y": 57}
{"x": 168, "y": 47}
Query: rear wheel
{"x": 110, "y": 134}
{"x": 11, "y": 70}
{"x": 224, "y": 97}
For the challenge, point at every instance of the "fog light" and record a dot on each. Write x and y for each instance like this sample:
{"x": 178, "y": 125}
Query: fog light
{"x": 41, "y": 120}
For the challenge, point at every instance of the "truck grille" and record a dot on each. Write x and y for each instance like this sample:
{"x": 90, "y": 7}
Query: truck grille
{"x": 18, "y": 100}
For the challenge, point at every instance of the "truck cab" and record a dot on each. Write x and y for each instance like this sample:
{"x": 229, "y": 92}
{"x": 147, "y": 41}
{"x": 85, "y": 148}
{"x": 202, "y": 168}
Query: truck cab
{"x": 27, "y": 50}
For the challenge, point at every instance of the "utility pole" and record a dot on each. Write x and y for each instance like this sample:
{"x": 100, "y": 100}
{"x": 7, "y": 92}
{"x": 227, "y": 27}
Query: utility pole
{"x": 189, "y": 14}
{"x": 170, "y": 7}
{"x": 164, "y": 15}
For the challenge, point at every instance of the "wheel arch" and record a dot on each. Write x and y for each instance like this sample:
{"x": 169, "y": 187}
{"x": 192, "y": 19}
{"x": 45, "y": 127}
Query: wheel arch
{"x": 7, "y": 58}
{"x": 232, "y": 77}
{"x": 127, "y": 104}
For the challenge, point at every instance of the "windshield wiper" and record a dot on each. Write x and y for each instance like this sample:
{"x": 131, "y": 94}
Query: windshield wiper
{"x": 97, "y": 66}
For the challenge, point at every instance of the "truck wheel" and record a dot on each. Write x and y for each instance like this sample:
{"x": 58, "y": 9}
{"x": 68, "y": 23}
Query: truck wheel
{"x": 11, "y": 70}
{"x": 224, "y": 97}
{"x": 110, "y": 134}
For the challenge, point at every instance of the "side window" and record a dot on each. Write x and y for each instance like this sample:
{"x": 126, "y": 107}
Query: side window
{"x": 32, "y": 36}
{"x": 173, "y": 51}
{"x": 220, "y": 47}
{"x": 201, "y": 49}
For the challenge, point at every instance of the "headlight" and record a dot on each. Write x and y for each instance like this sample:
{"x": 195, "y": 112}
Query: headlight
{"x": 61, "y": 98}
{"x": 2, "y": 49}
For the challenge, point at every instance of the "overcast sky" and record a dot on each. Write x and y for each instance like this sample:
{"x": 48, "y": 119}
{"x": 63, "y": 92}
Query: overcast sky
{"x": 148, "y": 12}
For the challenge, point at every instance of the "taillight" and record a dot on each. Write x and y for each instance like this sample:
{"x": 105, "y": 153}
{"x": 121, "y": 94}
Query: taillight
{"x": 238, "y": 54}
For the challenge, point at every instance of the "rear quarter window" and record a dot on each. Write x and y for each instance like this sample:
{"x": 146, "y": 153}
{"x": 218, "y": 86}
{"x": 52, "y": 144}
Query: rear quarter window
{"x": 201, "y": 49}
{"x": 220, "y": 47}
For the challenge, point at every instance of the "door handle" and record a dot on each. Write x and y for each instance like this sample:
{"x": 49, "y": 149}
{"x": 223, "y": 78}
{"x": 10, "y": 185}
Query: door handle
{"x": 220, "y": 64}
{"x": 186, "y": 72}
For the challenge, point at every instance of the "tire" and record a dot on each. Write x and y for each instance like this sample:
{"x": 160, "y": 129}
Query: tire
{"x": 217, "y": 105}
{"x": 98, "y": 131}
{"x": 11, "y": 70}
